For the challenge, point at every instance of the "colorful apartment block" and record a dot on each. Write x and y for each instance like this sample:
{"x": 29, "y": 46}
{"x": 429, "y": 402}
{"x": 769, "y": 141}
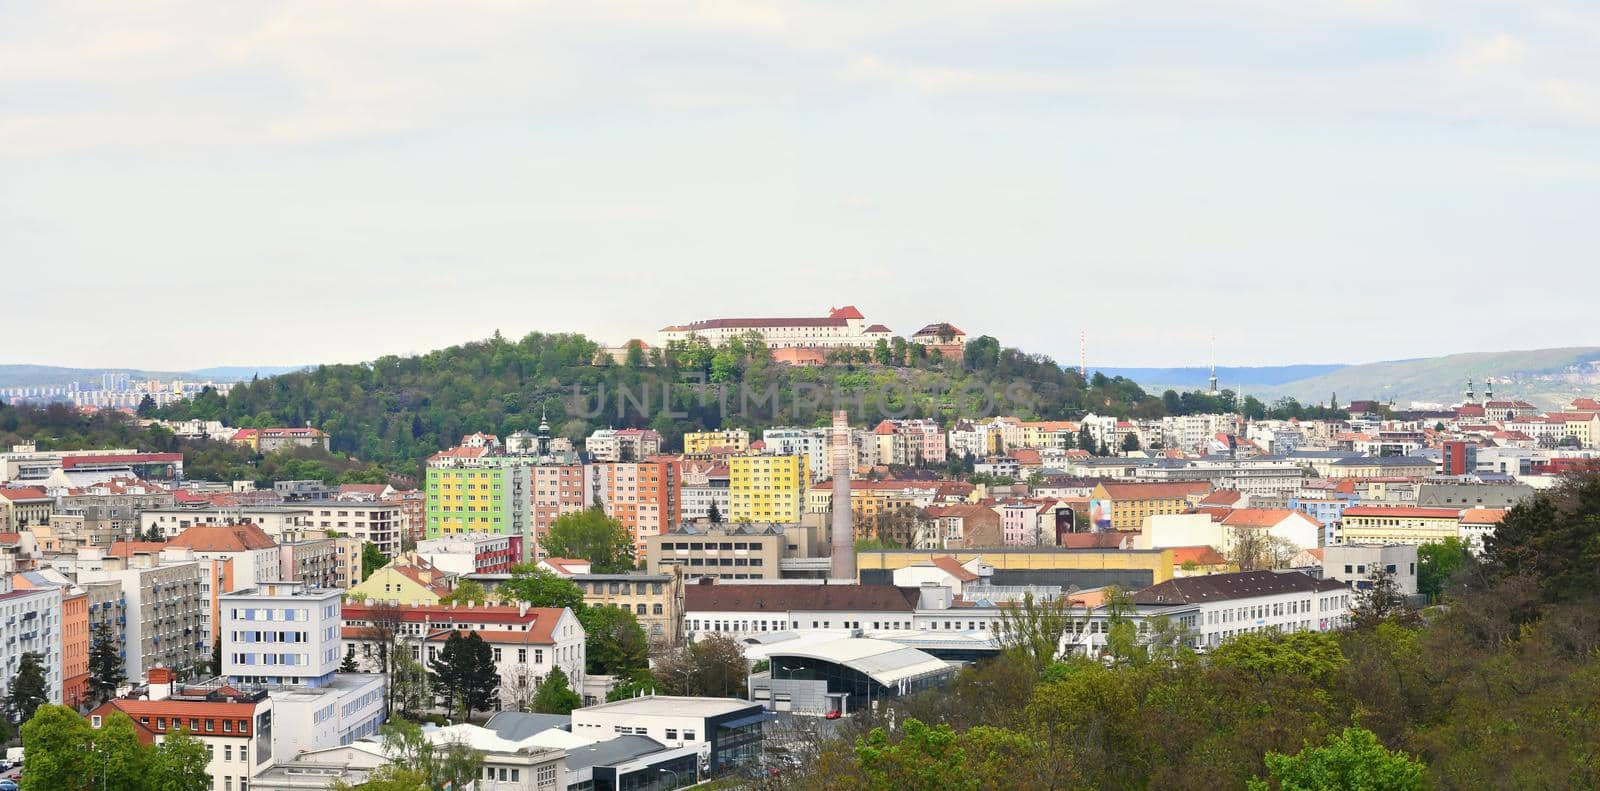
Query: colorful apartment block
{"x": 1124, "y": 506}
{"x": 642, "y": 496}
{"x": 766, "y": 488}
{"x": 488, "y": 496}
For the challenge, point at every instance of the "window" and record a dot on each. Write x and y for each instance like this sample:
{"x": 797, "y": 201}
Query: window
{"x": 672, "y": 733}
{"x": 688, "y": 736}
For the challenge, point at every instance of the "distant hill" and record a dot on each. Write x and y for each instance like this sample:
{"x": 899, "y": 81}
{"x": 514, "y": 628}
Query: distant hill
{"x": 1546, "y": 377}
{"x": 45, "y": 375}
{"x": 1250, "y": 378}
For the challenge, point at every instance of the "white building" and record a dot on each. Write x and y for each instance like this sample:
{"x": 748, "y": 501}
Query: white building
{"x": 30, "y": 622}
{"x": 811, "y": 443}
{"x": 843, "y": 327}
{"x": 339, "y": 713}
{"x": 282, "y": 523}
{"x": 1355, "y": 565}
{"x": 280, "y": 633}
{"x": 235, "y": 726}
{"x": 468, "y": 553}
{"x": 527, "y": 642}
{"x": 377, "y": 523}
{"x": 1254, "y": 601}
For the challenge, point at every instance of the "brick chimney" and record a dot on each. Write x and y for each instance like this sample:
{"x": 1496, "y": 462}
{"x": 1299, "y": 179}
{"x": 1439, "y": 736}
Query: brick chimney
{"x": 160, "y": 683}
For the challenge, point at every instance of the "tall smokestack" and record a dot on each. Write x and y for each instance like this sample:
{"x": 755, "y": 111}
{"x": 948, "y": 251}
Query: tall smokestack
{"x": 844, "y": 534}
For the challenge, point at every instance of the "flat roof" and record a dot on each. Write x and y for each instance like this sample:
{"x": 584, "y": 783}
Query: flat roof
{"x": 658, "y": 705}
{"x": 881, "y": 660}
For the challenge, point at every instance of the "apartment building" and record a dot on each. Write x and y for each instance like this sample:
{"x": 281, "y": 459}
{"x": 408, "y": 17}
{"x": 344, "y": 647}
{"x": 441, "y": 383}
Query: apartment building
{"x": 697, "y": 443}
{"x": 728, "y": 551}
{"x": 317, "y": 562}
{"x": 282, "y": 523}
{"x": 74, "y": 659}
{"x": 375, "y": 523}
{"x": 623, "y": 445}
{"x": 1123, "y": 506}
{"x": 23, "y": 507}
{"x": 1367, "y": 524}
{"x": 766, "y": 488}
{"x": 165, "y": 604}
{"x": 656, "y": 600}
{"x": 1254, "y": 601}
{"x": 642, "y": 496}
{"x": 280, "y": 633}
{"x": 31, "y": 622}
{"x": 235, "y": 726}
{"x": 471, "y": 489}
{"x": 557, "y": 489}
{"x": 111, "y": 508}
{"x": 810, "y": 443}
{"x": 471, "y": 553}
{"x": 704, "y": 485}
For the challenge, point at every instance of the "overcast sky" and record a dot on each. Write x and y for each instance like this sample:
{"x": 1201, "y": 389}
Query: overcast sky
{"x": 184, "y": 185}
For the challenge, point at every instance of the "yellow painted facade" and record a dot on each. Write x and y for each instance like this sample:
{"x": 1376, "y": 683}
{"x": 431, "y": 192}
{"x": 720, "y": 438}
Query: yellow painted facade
{"x": 386, "y": 584}
{"x": 697, "y": 442}
{"x": 766, "y": 488}
{"x": 1159, "y": 562}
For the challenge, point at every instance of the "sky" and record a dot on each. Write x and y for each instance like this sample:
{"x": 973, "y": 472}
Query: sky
{"x": 196, "y": 184}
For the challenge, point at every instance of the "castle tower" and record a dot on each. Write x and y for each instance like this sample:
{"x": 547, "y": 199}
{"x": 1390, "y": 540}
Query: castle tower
{"x": 1470, "y": 399}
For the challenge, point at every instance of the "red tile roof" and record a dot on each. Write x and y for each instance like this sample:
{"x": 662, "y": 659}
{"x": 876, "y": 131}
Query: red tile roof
{"x": 950, "y": 566}
{"x": 1200, "y": 556}
{"x": 846, "y": 312}
{"x": 24, "y": 493}
{"x": 1264, "y": 517}
{"x": 223, "y": 538}
{"x": 1483, "y": 516}
{"x": 1222, "y": 497}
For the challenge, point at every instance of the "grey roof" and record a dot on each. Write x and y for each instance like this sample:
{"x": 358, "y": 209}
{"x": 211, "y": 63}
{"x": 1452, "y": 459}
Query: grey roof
{"x": 514, "y": 726}
{"x": 612, "y": 751}
{"x": 883, "y": 661}
{"x": 1384, "y": 461}
{"x": 1467, "y": 495}
{"x": 1223, "y": 587}
{"x": 1322, "y": 454}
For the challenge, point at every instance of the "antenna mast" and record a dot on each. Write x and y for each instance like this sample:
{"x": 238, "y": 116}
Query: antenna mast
{"x": 1083, "y": 355}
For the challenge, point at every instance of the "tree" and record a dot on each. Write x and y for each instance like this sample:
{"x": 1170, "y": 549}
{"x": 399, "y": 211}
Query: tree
{"x": 540, "y": 587}
{"x": 391, "y": 777}
{"x": 1553, "y": 538}
{"x": 1033, "y": 628}
{"x": 372, "y": 559}
{"x": 1086, "y": 438}
{"x": 714, "y": 514}
{"x": 411, "y": 686}
{"x": 348, "y": 664}
{"x": 466, "y": 591}
{"x": 592, "y": 536}
{"x": 616, "y": 643}
{"x": 178, "y": 763}
{"x": 714, "y": 666}
{"x": 147, "y": 407}
{"x": 106, "y": 669}
{"x": 57, "y": 761}
{"x": 384, "y": 623}
{"x": 926, "y": 758}
{"x": 121, "y": 762}
{"x": 481, "y": 684}
{"x": 641, "y": 684}
{"x": 1130, "y": 442}
{"x": 1254, "y": 549}
{"x": 1352, "y": 759}
{"x": 1381, "y": 602}
{"x": 1436, "y": 562}
{"x": 453, "y": 671}
{"x": 450, "y": 765}
{"x": 555, "y": 695}
{"x": 29, "y": 690}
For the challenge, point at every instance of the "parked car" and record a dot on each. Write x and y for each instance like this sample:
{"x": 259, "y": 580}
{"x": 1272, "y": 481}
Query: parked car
{"x": 8, "y": 785}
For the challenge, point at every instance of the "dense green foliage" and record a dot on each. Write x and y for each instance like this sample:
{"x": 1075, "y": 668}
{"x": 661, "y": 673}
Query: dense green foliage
{"x": 399, "y": 410}
{"x": 590, "y": 535}
{"x": 65, "y": 754}
{"x": 106, "y": 669}
{"x": 713, "y": 666}
{"x": 1499, "y": 689}
{"x": 28, "y": 689}
{"x": 555, "y": 694}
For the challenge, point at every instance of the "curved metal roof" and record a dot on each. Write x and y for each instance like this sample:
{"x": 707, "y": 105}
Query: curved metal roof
{"x": 882, "y": 661}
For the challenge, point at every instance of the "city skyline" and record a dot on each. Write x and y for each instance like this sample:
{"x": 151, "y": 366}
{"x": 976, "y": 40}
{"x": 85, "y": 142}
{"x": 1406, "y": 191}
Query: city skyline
{"x": 313, "y": 191}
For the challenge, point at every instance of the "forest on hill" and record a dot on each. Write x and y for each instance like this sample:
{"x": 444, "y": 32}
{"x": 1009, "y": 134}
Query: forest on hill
{"x": 396, "y": 411}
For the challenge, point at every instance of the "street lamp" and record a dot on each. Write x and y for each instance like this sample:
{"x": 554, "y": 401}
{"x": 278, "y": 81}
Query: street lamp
{"x": 674, "y": 773}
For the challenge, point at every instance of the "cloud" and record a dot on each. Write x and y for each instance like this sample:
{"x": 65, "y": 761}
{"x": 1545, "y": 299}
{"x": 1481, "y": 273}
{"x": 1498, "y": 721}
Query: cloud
{"x": 301, "y": 73}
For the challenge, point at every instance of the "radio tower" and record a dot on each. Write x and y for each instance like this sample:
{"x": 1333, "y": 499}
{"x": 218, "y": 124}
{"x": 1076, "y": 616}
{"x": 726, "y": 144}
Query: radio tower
{"x": 1083, "y": 355}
